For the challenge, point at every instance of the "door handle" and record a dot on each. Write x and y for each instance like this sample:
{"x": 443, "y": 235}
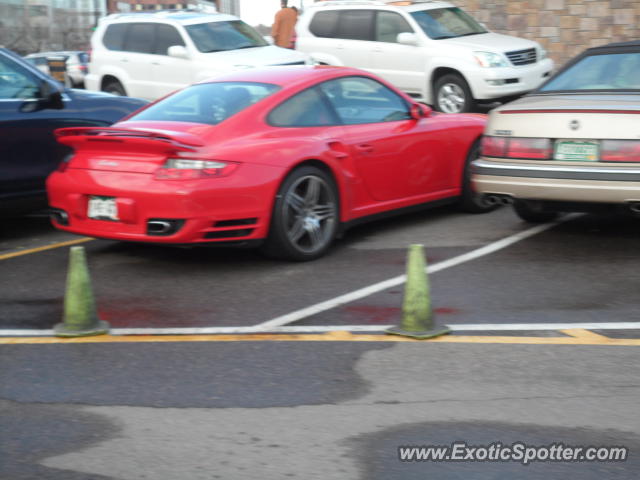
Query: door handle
{"x": 338, "y": 150}
{"x": 364, "y": 148}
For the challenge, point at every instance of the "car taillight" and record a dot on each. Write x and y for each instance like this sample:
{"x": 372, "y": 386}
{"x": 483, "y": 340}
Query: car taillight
{"x": 620, "y": 151}
{"x": 514, "y": 147}
{"x": 494, "y": 146}
{"x": 187, "y": 169}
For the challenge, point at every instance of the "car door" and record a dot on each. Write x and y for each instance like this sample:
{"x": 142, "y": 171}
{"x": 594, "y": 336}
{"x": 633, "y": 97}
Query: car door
{"x": 169, "y": 73}
{"x": 393, "y": 153}
{"x": 137, "y": 59}
{"x": 28, "y": 150}
{"x": 401, "y": 65}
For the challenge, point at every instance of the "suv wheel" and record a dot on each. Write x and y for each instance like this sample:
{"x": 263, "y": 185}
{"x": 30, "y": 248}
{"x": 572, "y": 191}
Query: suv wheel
{"x": 452, "y": 94}
{"x": 114, "y": 87}
{"x": 532, "y": 212}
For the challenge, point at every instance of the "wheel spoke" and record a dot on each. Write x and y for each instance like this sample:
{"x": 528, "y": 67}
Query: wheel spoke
{"x": 323, "y": 212}
{"x": 295, "y": 202}
{"x": 316, "y": 235}
{"x": 312, "y": 195}
{"x": 297, "y": 230}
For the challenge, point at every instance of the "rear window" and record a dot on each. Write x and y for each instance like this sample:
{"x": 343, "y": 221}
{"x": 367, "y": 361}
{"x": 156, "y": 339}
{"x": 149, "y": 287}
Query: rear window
{"x": 114, "y": 36}
{"x": 614, "y": 71}
{"x": 209, "y": 103}
{"x": 324, "y": 24}
{"x": 346, "y": 24}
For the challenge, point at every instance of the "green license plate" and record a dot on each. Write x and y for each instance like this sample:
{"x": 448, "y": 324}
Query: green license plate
{"x": 576, "y": 151}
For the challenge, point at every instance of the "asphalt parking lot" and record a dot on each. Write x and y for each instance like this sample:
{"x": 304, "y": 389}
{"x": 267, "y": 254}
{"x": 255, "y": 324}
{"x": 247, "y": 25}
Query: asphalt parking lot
{"x": 548, "y": 354}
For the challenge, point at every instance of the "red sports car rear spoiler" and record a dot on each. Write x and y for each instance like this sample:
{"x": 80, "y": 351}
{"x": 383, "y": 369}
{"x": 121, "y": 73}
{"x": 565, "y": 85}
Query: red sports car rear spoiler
{"x": 89, "y": 137}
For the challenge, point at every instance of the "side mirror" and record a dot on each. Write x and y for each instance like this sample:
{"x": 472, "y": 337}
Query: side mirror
{"x": 178, "y": 51}
{"x": 419, "y": 110}
{"x": 51, "y": 96}
{"x": 408, "y": 38}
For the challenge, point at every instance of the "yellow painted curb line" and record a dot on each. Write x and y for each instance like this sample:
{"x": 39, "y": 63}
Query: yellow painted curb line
{"x": 576, "y": 337}
{"x": 46, "y": 247}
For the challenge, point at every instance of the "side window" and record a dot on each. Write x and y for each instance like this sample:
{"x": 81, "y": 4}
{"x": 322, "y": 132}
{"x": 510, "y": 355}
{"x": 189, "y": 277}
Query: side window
{"x": 324, "y": 24}
{"x": 359, "y": 100}
{"x": 166, "y": 36}
{"x": 16, "y": 83}
{"x": 140, "y": 38}
{"x": 306, "y": 109}
{"x": 114, "y": 36}
{"x": 389, "y": 25}
{"x": 355, "y": 24}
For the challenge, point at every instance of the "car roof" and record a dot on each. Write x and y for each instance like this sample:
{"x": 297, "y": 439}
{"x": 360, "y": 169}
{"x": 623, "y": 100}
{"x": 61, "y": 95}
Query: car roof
{"x": 611, "y": 46}
{"x": 169, "y": 16}
{"x": 287, "y": 75}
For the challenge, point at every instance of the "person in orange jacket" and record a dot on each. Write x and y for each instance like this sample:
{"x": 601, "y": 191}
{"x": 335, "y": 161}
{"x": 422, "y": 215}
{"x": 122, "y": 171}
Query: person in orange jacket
{"x": 283, "y": 29}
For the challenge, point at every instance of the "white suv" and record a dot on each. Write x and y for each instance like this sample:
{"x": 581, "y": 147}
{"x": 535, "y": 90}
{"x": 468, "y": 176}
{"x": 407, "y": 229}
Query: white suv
{"x": 434, "y": 51}
{"x": 149, "y": 55}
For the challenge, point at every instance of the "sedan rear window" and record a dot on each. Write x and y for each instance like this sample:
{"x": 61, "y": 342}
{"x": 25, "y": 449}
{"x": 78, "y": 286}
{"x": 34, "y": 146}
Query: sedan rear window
{"x": 613, "y": 71}
{"x": 221, "y": 36}
{"x": 209, "y": 103}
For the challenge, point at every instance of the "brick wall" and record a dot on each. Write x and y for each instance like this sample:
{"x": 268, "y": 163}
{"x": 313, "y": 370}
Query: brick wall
{"x": 563, "y": 27}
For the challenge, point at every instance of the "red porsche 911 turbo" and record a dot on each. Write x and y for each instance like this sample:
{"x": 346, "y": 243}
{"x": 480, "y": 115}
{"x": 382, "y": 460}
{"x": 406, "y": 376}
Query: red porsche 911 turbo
{"x": 282, "y": 157}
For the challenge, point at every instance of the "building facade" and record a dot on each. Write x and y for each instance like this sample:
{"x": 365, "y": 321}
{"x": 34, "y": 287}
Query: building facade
{"x": 563, "y": 27}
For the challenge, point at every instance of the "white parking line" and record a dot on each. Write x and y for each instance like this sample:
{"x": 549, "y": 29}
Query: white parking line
{"x": 336, "y": 328}
{"x": 370, "y": 290}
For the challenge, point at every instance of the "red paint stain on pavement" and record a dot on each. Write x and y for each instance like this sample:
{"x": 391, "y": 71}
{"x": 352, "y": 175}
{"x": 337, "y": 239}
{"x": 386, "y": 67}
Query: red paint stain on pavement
{"x": 446, "y": 310}
{"x": 373, "y": 313}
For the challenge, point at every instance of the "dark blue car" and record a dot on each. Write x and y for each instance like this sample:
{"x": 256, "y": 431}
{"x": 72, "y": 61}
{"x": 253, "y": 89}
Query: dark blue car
{"x": 32, "y": 106}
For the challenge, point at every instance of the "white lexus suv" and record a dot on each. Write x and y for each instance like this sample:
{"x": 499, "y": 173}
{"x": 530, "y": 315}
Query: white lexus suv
{"x": 432, "y": 50}
{"x": 149, "y": 55}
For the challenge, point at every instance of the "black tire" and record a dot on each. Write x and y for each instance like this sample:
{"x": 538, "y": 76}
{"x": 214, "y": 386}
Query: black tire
{"x": 532, "y": 212}
{"x": 305, "y": 216}
{"x": 451, "y": 94}
{"x": 470, "y": 201}
{"x": 115, "y": 87}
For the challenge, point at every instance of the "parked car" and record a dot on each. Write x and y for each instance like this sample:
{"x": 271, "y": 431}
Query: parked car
{"x": 149, "y": 55}
{"x": 572, "y": 145}
{"x": 286, "y": 157}
{"x": 434, "y": 51}
{"x": 32, "y": 106}
{"x": 76, "y": 63}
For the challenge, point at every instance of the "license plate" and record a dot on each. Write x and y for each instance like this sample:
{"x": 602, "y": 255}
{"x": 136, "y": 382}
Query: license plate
{"x": 577, "y": 151}
{"x": 102, "y": 208}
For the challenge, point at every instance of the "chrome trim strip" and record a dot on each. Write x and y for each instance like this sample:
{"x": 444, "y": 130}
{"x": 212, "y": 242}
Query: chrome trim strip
{"x": 481, "y": 167}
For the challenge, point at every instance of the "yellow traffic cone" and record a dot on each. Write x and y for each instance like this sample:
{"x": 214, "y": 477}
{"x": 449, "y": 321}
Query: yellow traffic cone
{"x": 80, "y": 316}
{"x": 417, "y": 314}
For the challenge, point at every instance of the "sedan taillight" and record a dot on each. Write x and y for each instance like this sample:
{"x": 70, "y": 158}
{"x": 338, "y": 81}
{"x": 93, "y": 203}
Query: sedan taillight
{"x": 188, "y": 169}
{"x": 620, "y": 151}
{"x": 521, "y": 148}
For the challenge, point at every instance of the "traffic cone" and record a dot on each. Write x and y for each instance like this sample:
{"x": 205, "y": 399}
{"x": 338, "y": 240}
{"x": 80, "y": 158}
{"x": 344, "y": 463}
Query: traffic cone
{"x": 417, "y": 314}
{"x": 80, "y": 316}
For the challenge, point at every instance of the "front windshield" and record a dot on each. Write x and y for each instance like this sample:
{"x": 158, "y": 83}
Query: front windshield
{"x": 221, "y": 36}
{"x": 608, "y": 72}
{"x": 209, "y": 103}
{"x": 452, "y": 22}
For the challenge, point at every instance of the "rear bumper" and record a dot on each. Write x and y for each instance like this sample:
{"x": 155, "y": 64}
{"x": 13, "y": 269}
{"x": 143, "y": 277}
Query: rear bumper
{"x": 579, "y": 183}
{"x": 235, "y": 208}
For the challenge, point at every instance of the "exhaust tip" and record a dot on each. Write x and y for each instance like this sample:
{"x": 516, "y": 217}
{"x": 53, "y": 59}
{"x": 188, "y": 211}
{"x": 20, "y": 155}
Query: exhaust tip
{"x": 163, "y": 226}
{"x": 59, "y": 216}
